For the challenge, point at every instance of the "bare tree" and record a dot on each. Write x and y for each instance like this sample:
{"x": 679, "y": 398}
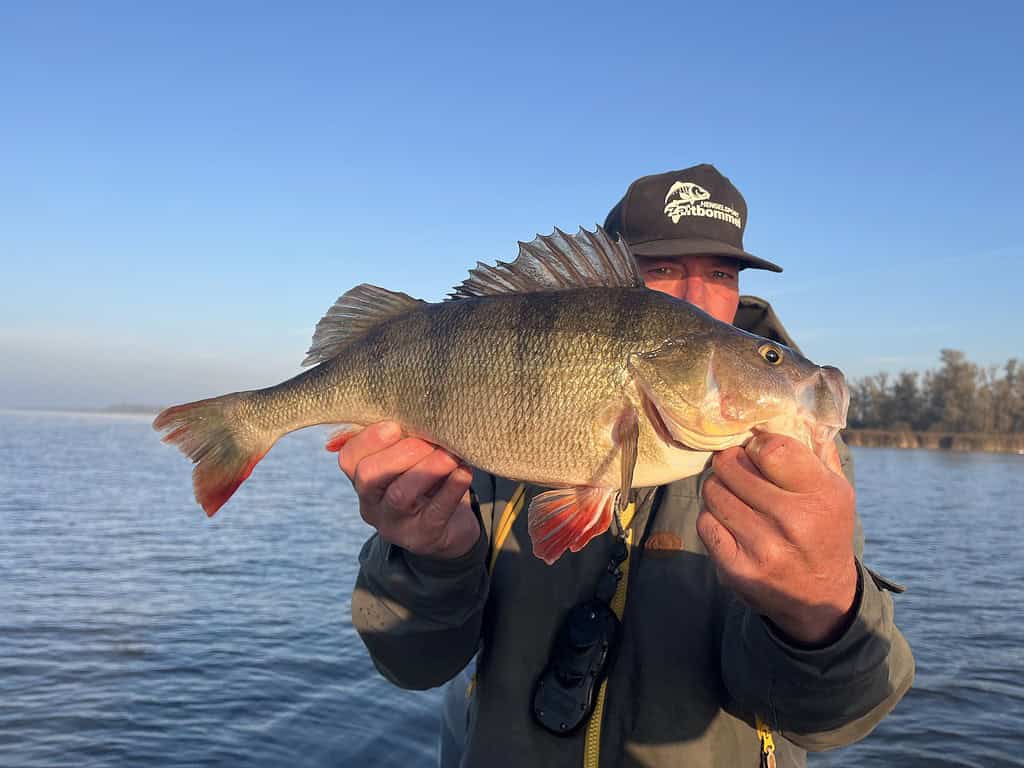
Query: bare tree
{"x": 959, "y": 396}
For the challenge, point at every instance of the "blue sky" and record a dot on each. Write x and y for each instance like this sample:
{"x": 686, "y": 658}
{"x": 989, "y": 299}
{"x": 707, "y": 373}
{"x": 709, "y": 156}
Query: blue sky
{"x": 185, "y": 188}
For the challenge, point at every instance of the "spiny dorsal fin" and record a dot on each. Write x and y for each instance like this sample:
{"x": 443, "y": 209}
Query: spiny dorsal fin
{"x": 556, "y": 262}
{"x": 359, "y": 310}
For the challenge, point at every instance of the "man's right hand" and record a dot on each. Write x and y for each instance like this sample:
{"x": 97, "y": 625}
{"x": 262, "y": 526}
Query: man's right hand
{"x": 414, "y": 493}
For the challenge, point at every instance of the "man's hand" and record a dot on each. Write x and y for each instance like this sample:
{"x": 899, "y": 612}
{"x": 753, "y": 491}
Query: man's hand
{"x": 779, "y": 526}
{"x": 414, "y": 493}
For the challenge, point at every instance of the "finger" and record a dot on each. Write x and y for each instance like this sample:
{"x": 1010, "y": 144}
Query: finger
{"x": 454, "y": 537}
{"x": 786, "y": 462}
{"x": 371, "y": 440}
{"x": 737, "y": 472}
{"x": 437, "y": 513}
{"x": 746, "y": 525}
{"x": 719, "y": 542}
{"x": 375, "y": 473}
{"x": 464, "y": 529}
{"x": 405, "y": 491}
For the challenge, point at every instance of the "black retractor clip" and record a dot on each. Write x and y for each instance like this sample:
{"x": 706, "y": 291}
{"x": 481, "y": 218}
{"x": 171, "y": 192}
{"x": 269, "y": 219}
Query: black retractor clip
{"x": 583, "y": 651}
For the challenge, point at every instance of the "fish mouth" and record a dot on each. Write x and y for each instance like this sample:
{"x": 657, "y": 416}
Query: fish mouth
{"x": 819, "y": 413}
{"x": 825, "y": 398}
{"x": 678, "y": 435}
{"x": 802, "y": 425}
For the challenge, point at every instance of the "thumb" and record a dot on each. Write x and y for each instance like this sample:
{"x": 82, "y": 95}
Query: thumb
{"x": 786, "y": 462}
{"x": 830, "y": 456}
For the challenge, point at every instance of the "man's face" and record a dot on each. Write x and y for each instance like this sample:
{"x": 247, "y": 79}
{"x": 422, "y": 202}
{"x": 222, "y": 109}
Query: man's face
{"x": 709, "y": 282}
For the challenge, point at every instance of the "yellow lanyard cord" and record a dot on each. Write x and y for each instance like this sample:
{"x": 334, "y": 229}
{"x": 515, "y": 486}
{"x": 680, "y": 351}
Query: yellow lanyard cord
{"x": 764, "y": 733}
{"x": 508, "y": 516}
{"x": 592, "y": 744}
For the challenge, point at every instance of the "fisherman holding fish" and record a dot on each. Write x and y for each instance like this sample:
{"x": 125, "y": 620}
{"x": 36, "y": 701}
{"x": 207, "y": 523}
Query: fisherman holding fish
{"x": 684, "y": 585}
{"x": 746, "y": 602}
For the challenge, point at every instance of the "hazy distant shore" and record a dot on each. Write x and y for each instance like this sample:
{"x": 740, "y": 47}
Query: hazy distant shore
{"x": 936, "y": 441}
{"x": 128, "y": 409}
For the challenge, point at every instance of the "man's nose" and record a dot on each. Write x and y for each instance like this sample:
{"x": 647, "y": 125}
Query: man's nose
{"x": 693, "y": 290}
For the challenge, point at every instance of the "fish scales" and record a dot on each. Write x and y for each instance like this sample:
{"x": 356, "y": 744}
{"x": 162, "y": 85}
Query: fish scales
{"x": 560, "y": 369}
{"x": 523, "y": 376}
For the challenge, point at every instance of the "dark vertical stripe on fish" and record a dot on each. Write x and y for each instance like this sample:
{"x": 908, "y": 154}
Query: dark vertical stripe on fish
{"x": 624, "y": 321}
{"x": 521, "y": 354}
{"x": 379, "y": 387}
{"x": 443, "y": 336}
{"x": 549, "y": 310}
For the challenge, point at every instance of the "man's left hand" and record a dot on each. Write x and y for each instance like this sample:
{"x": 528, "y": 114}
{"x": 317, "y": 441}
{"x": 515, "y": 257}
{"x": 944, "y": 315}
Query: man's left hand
{"x": 779, "y": 526}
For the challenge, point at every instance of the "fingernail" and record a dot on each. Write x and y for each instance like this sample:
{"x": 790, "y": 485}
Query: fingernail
{"x": 388, "y": 429}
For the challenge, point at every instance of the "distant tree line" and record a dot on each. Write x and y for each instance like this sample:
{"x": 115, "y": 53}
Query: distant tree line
{"x": 958, "y": 397}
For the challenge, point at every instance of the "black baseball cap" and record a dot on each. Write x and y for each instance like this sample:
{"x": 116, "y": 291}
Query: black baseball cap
{"x": 695, "y": 210}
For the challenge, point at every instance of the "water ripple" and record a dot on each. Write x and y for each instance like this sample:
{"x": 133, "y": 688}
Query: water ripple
{"x": 137, "y": 632}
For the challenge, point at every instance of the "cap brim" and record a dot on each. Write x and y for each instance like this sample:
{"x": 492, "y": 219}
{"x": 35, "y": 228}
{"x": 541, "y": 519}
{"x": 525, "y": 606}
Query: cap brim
{"x": 689, "y": 246}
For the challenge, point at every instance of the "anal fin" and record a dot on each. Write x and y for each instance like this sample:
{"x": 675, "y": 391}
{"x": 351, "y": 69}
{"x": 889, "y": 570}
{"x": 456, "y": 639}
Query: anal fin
{"x": 342, "y": 435}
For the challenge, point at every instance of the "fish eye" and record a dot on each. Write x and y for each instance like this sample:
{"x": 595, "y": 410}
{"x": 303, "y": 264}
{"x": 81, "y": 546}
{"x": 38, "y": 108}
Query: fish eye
{"x": 771, "y": 353}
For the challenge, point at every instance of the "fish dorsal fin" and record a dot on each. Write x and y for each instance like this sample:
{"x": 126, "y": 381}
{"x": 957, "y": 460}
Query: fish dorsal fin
{"x": 355, "y": 313}
{"x": 556, "y": 262}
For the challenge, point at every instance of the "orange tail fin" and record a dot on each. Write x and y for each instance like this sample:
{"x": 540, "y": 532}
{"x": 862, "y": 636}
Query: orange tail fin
{"x": 224, "y": 453}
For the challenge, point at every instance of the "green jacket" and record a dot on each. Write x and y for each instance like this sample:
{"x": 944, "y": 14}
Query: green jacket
{"x": 694, "y": 667}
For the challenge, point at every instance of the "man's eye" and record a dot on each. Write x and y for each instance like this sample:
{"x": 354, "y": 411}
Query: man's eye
{"x": 720, "y": 275}
{"x": 661, "y": 271}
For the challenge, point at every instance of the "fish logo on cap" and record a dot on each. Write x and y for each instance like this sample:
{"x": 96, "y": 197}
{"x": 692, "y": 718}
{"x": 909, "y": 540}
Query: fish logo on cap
{"x": 681, "y": 195}
{"x": 684, "y": 198}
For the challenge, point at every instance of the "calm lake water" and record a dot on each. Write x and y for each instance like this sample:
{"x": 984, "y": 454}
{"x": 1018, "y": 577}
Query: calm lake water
{"x": 135, "y": 632}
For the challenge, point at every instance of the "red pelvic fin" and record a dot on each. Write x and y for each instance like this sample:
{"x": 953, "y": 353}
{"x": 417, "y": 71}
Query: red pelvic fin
{"x": 568, "y": 518}
{"x": 341, "y": 436}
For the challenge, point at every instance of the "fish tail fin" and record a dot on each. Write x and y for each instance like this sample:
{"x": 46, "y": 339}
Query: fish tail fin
{"x": 208, "y": 432}
{"x": 567, "y": 518}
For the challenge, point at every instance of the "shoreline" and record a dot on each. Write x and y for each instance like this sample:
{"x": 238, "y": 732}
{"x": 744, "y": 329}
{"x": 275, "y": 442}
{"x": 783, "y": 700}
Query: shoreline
{"x": 956, "y": 442}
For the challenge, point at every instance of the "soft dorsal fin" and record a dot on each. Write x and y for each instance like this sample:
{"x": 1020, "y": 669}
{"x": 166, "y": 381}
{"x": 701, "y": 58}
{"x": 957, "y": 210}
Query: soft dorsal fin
{"x": 556, "y": 262}
{"x": 356, "y": 312}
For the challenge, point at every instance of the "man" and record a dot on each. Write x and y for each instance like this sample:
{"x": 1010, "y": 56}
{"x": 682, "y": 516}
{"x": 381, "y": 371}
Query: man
{"x": 745, "y": 603}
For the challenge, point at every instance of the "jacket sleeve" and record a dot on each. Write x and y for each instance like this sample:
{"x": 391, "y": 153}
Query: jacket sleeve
{"x": 821, "y": 697}
{"x": 420, "y": 617}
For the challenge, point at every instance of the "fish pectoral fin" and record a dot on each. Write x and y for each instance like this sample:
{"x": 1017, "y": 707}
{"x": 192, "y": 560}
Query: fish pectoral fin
{"x": 567, "y": 518}
{"x": 557, "y": 262}
{"x": 627, "y": 437}
{"x": 352, "y": 315}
